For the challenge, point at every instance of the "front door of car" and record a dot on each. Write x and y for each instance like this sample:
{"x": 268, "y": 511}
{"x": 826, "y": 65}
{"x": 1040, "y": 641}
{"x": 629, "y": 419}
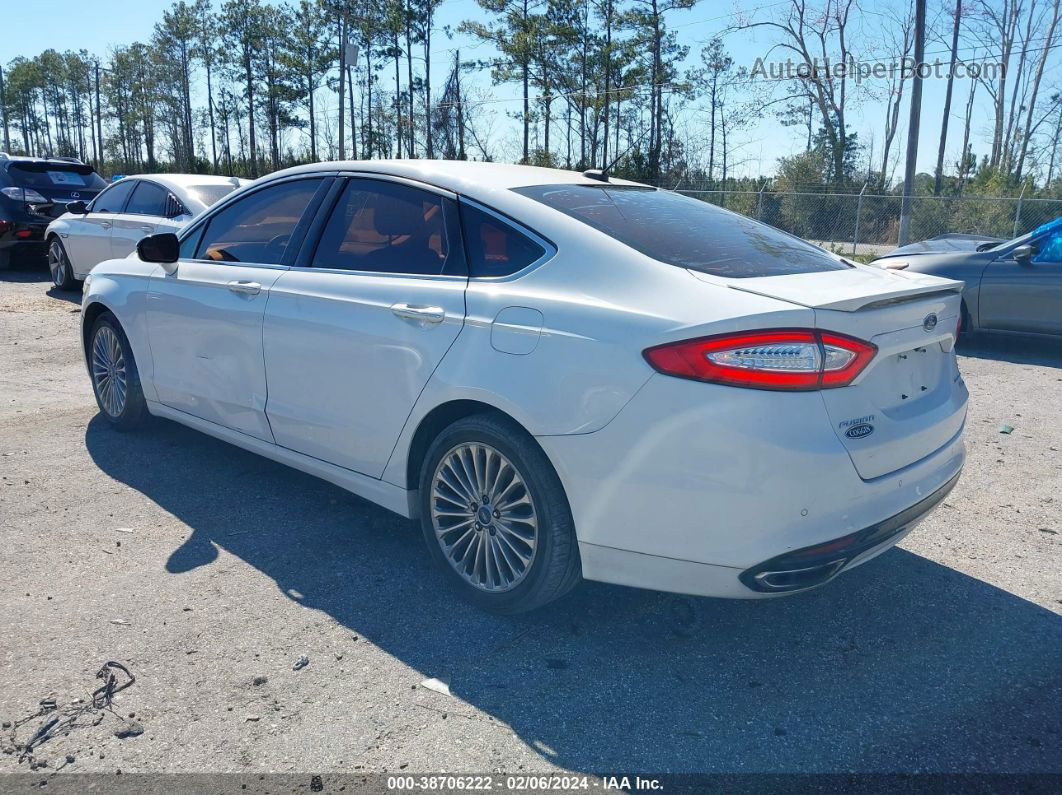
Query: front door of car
{"x": 1025, "y": 296}
{"x": 89, "y": 241}
{"x": 205, "y": 318}
{"x": 355, "y": 330}
{"x": 142, "y": 213}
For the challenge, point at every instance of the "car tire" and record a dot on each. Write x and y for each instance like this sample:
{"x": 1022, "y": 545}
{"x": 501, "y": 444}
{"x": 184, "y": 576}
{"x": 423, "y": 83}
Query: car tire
{"x": 525, "y": 552}
{"x": 114, "y": 376}
{"x": 59, "y": 265}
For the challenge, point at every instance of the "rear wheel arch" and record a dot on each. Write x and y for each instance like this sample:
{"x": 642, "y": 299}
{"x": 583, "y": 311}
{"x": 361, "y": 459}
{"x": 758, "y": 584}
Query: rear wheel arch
{"x": 435, "y": 422}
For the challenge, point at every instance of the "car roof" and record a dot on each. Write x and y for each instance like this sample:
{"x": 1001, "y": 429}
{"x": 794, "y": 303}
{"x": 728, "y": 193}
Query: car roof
{"x": 460, "y": 176}
{"x": 181, "y": 181}
{"x": 491, "y": 184}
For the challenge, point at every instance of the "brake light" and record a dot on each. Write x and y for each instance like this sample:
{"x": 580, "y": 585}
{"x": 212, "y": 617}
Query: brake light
{"x": 781, "y": 359}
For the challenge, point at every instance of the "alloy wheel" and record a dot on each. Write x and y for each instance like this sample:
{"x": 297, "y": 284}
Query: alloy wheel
{"x": 108, "y": 370}
{"x": 484, "y": 517}
{"x": 57, "y": 264}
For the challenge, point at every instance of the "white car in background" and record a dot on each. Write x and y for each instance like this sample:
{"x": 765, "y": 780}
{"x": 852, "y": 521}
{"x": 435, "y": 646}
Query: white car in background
{"x": 133, "y": 207}
{"x": 561, "y": 375}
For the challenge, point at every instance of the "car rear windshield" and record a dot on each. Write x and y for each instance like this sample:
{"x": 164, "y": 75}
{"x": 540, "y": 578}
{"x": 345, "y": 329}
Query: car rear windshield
{"x": 210, "y": 194}
{"x": 55, "y": 175}
{"x": 683, "y": 231}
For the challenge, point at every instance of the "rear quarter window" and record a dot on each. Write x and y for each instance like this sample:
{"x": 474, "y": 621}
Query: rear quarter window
{"x": 494, "y": 247}
{"x": 683, "y": 231}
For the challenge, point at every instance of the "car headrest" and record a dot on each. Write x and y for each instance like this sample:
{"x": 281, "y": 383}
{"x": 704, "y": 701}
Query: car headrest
{"x": 393, "y": 216}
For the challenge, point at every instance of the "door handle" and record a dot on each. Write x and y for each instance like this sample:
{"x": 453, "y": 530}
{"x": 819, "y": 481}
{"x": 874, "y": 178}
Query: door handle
{"x": 148, "y": 229}
{"x": 245, "y": 287}
{"x": 423, "y": 314}
{"x": 105, "y": 224}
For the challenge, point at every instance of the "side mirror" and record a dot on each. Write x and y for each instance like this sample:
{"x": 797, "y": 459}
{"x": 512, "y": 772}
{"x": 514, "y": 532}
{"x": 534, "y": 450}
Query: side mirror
{"x": 162, "y": 248}
{"x": 77, "y": 208}
{"x": 1023, "y": 254}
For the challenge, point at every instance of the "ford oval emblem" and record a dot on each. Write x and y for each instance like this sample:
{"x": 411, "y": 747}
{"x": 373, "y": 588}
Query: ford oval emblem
{"x": 859, "y": 431}
{"x": 930, "y": 322}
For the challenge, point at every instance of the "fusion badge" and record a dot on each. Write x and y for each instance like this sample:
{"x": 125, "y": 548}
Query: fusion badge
{"x": 857, "y": 427}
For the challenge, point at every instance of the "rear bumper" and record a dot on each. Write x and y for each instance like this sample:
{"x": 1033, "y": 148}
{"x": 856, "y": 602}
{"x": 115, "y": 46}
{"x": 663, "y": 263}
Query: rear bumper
{"x": 820, "y": 563}
{"x": 24, "y": 237}
{"x": 692, "y": 485}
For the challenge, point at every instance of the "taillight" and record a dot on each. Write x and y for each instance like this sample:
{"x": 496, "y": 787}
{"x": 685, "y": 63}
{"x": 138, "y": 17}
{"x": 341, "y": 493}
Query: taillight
{"x": 793, "y": 359}
{"x": 25, "y": 195}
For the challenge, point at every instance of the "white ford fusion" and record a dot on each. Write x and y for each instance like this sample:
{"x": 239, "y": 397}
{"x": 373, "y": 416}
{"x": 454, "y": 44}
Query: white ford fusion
{"x": 127, "y": 210}
{"x": 560, "y": 375}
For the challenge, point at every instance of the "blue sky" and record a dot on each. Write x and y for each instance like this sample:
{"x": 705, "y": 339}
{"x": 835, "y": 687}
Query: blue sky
{"x": 98, "y": 25}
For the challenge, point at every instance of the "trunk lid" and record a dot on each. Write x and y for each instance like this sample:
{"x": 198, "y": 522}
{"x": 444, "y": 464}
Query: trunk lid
{"x": 910, "y": 400}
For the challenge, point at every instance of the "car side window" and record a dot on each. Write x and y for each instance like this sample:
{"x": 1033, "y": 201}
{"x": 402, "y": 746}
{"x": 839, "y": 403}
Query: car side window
{"x": 191, "y": 242}
{"x": 1050, "y": 248}
{"x": 257, "y": 227}
{"x": 113, "y": 199}
{"x": 494, "y": 247}
{"x": 389, "y": 227}
{"x": 148, "y": 199}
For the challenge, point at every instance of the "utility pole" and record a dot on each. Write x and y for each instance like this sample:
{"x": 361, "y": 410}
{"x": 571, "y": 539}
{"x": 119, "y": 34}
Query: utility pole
{"x": 3, "y": 107}
{"x": 342, "y": 87}
{"x": 912, "y": 127}
{"x": 99, "y": 120}
{"x": 460, "y": 107}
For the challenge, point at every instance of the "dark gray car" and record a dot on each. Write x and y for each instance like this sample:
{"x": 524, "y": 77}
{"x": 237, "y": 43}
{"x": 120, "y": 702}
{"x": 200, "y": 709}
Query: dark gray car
{"x": 1011, "y": 285}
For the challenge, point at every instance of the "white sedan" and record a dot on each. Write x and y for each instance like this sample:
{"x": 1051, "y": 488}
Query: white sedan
{"x": 129, "y": 209}
{"x": 559, "y": 375}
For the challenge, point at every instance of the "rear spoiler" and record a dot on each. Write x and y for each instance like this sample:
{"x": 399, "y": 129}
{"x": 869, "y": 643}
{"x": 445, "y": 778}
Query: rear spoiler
{"x": 848, "y": 290}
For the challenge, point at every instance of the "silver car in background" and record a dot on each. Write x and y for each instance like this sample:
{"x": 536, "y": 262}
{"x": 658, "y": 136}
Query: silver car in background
{"x": 133, "y": 207}
{"x": 1011, "y": 285}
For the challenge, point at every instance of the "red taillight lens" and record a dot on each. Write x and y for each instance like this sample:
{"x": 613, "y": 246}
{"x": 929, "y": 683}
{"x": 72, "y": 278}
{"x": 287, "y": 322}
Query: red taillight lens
{"x": 793, "y": 359}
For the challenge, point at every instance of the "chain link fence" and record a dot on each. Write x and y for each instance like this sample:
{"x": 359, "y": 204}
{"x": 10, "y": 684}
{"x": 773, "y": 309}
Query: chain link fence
{"x": 867, "y": 225}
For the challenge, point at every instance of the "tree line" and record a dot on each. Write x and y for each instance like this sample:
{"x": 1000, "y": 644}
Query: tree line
{"x": 250, "y": 86}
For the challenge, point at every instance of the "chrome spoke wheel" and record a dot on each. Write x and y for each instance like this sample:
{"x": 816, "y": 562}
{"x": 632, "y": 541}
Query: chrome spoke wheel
{"x": 108, "y": 371}
{"x": 484, "y": 517}
{"x": 56, "y": 264}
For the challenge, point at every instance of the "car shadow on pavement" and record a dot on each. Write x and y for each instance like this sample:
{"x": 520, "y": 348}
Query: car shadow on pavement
{"x": 26, "y": 273}
{"x": 1037, "y": 350}
{"x": 906, "y": 665}
{"x": 33, "y": 274}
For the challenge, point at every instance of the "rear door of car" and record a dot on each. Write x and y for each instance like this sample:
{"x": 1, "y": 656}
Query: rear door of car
{"x": 145, "y": 208}
{"x": 89, "y": 242}
{"x": 354, "y": 330}
{"x": 1025, "y": 296}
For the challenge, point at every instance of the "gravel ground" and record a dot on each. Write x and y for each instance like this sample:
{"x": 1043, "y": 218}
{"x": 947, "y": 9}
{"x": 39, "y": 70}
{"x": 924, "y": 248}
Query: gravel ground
{"x": 209, "y": 571}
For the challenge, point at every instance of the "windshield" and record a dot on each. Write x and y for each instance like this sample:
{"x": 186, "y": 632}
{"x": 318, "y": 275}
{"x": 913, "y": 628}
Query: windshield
{"x": 210, "y": 194}
{"x": 685, "y": 232}
{"x": 1028, "y": 237}
{"x": 55, "y": 176}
